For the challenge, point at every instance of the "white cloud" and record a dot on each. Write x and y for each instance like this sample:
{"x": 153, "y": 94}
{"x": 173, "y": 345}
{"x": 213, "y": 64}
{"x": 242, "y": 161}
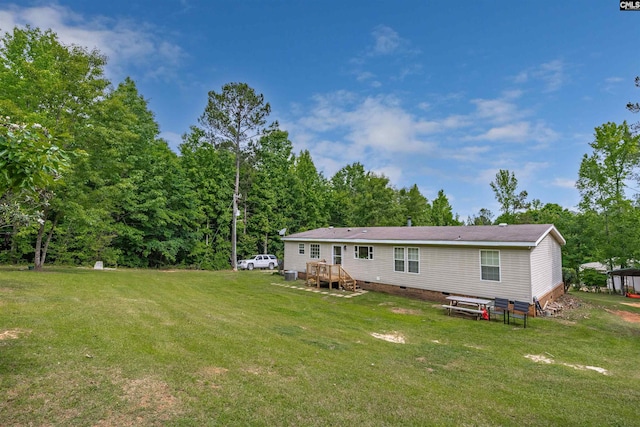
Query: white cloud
{"x": 614, "y": 80}
{"x": 564, "y": 183}
{"x": 516, "y": 132}
{"x": 552, "y": 74}
{"x": 382, "y": 124}
{"x": 522, "y": 77}
{"x": 368, "y": 77}
{"x": 495, "y": 110}
{"x": 468, "y": 153}
{"x": 409, "y": 70}
{"x": 375, "y": 122}
{"x": 529, "y": 170}
{"x": 417, "y": 144}
{"x": 387, "y": 44}
{"x": 341, "y": 128}
{"x": 387, "y": 41}
{"x": 364, "y": 76}
{"x": 507, "y": 121}
{"x": 393, "y": 172}
{"x": 125, "y": 43}
{"x": 522, "y": 131}
{"x": 612, "y": 83}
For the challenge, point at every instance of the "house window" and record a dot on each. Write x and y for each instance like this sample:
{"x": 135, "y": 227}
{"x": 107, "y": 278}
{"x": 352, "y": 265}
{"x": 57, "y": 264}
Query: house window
{"x": 314, "y": 251}
{"x": 490, "y": 265}
{"x": 413, "y": 260}
{"x": 398, "y": 259}
{"x": 363, "y": 252}
{"x": 301, "y": 248}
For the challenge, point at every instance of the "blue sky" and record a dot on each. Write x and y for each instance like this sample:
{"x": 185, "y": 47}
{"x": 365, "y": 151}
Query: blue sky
{"x": 438, "y": 93}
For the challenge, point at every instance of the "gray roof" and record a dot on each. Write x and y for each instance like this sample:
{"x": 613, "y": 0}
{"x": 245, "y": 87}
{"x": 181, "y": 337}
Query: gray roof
{"x": 625, "y": 272}
{"x": 526, "y": 235}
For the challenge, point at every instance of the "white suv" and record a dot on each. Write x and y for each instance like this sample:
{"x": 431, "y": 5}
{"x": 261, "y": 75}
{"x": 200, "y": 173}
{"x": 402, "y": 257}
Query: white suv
{"x": 259, "y": 261}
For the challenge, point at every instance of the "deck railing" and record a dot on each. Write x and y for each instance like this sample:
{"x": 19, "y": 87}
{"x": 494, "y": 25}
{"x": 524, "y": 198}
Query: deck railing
{"x": 320, "y": 272}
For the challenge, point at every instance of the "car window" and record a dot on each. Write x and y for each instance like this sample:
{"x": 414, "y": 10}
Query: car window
{"x": 259, "y": 258}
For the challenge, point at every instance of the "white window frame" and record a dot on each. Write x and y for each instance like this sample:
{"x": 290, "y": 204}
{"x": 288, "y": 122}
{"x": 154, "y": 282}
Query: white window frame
{"x": 499, "y": 266}
{"x": 403, "y": 260}
{"x": 406, "y": 262}
{"x": 416, "y": 261}
{"x": 313, "y": 246}
{"x": 300, "y": 248}
{"x": 356, "y": 252}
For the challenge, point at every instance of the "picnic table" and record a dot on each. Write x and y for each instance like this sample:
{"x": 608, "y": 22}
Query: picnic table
{"x": 467, "y": 305}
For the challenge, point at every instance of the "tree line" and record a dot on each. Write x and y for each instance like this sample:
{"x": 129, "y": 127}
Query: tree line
{"x": 85, "y": 176}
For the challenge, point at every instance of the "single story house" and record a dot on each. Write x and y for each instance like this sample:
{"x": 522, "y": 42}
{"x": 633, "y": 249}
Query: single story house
{"x": 518, "y": 262}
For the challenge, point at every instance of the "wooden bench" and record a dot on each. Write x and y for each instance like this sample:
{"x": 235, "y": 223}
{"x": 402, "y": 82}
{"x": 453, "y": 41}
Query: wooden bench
{"x": 465, "y": 310}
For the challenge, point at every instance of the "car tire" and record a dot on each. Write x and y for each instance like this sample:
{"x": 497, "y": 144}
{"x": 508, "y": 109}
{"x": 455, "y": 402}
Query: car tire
{"x": 250, "y": 267}
{"x": 270, "y": 266}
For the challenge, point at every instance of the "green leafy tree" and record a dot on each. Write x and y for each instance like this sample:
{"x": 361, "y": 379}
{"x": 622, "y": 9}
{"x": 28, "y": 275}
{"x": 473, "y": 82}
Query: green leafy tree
{"x": 210, "y": 172}
{"x": 361, "y": 199}
{"x": 484, "y": 217}
{"x": 505, "y": 189}
{"x": 378, "y": 205}
{"x": 307, "y": 200}
{"x": 46, "y": 82}
{"x": 442, "y": 212}
{"x": 603, "y": 177}
{"x": 414, "y": 205}
{"x": 129, "y": 193}
{"x": 55, "y": 86}
{"x": 265, "y": 201}
{"x": 346, "y": 187}
{"x": 30, "y": 165}
{"x": 29, "y": 158}
{"x": 232, "y": 119}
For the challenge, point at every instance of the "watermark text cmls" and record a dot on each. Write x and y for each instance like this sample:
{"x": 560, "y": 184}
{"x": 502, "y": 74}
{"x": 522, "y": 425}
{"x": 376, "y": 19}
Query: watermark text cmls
{"x": 630, "y": 5}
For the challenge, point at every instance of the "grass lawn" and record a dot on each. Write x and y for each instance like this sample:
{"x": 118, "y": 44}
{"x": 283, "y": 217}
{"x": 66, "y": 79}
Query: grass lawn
{"x": 146, "y": 348}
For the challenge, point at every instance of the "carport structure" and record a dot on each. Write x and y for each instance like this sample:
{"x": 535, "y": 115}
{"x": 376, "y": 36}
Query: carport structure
{"x": 631, "y": 273}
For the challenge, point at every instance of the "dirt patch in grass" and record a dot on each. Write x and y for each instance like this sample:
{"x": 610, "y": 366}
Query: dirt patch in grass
{"x": 150, "y": 393}
{"x": 625, "y": 315}
{"x": 399, "y": 310}
{"x": 475, "y": 347}
{"x": 13, "y": 334}
{"x": 213, "y": 370}
{"x": 538, "y": 358}
{"x": 145, "y": 399}
{"x": 394, "y": 337}
{"x": 631, "y": 304}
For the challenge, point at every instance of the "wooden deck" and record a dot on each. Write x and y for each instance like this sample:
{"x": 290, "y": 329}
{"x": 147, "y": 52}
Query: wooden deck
{"x": 319, "y": 272}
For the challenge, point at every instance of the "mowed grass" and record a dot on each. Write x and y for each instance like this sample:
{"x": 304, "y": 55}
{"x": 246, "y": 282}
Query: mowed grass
{"x": 149, "y": 348}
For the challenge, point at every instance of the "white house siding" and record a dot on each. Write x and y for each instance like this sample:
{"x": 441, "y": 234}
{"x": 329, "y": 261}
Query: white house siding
{"x": 294, "y": 261}
{"x": 546, "y": 266}
{"x": 442, "y": 268}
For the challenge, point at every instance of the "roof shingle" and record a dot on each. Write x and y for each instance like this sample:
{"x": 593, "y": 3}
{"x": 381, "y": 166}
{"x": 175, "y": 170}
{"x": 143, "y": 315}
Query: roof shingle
{"x": 520, "y": 234}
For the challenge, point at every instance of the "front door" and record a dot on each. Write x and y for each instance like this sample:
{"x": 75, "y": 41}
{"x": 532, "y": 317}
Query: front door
{"x": 337, "y": 254}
